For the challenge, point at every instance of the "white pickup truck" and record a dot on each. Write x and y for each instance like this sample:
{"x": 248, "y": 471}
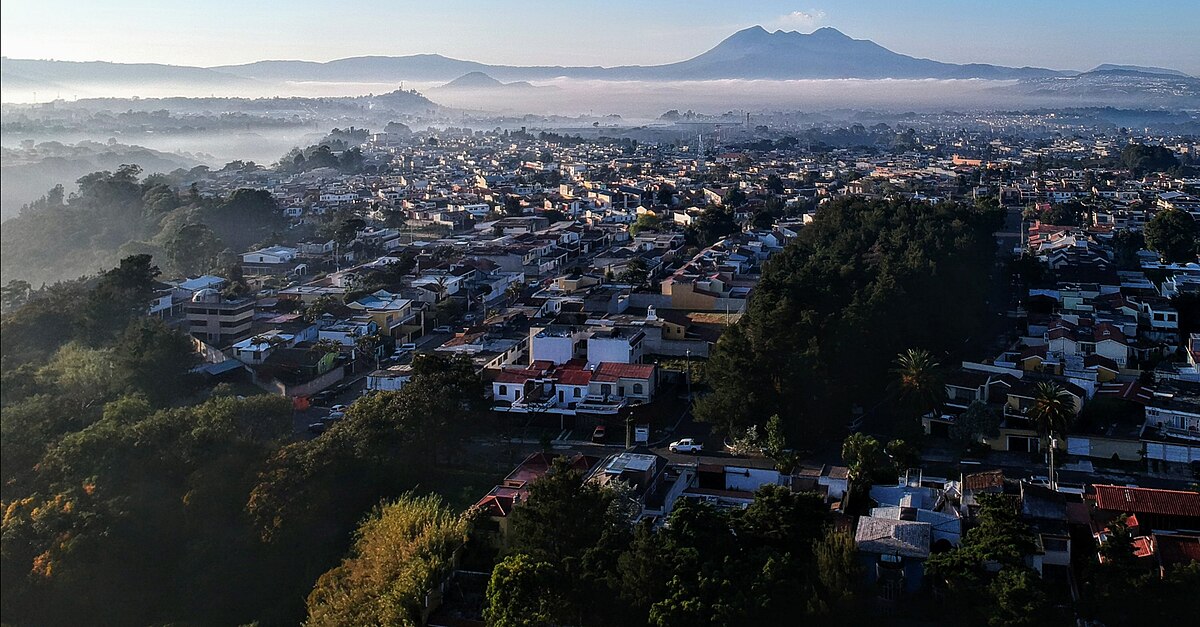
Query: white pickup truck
{"x": 686, "y": 445}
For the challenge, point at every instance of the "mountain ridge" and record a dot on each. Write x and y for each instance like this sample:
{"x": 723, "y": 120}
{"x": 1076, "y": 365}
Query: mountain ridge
{"x": 751, "y": 54}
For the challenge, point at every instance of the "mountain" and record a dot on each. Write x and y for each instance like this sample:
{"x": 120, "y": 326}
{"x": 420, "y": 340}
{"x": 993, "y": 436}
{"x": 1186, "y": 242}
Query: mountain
{"x": 755, "y": 53}
{"x": 752, "y": 53}
{"x": 473, "y": 80}
{"x": 417, "y": 67}
{"x": 1113, "y": 87}
{"x": 55, "y": 76}
{"x": 479, "y": 80}
{"x": 1141, "y": 69}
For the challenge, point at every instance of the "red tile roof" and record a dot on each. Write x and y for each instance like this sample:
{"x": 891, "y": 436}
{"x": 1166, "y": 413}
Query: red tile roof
{"x": 1148, "y": 501}
{"x": 984, "y": 480}
{"x": 574, "y": 377}
{"x": 608, "y": 371}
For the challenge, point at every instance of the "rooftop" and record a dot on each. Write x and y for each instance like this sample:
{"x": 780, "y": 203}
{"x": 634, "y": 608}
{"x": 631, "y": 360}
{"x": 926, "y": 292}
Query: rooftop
{"x": 1148, "y": 501}
{"x": 887, "y": 536}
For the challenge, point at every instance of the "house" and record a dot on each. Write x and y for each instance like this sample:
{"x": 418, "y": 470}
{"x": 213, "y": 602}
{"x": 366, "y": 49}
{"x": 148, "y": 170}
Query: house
{"x": 1163, "y": 523}
{"x": 272, "y": 261}
{"x": 497, "y": 505}
{"x": 255, "y": 350}
{"x": 615, "y": 345}
{"x": 729, "y": 483}
{"x": 1017, "y": 431}
{"x": 390, "y": 379}
{"x": 1172, "y": 428}
{"x": 298, "y": 371}
{"x": 892, "y": 553}
{"x": 1045, "y": 511}
{"x": 218, "y": 320}
{"x": 1155, "y": 508}
{"x": 630, "y": 382}
{"x": 573, "y": 388}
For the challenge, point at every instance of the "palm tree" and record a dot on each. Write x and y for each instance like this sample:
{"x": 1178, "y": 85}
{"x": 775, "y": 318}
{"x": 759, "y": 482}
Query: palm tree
{"x": 918, "y": 380}
{"x": 1052, "y": 410}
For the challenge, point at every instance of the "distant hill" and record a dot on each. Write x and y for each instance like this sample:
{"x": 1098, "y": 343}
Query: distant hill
{"x": 1118, "y": 88}
{"x": 1142, "y": 69}
{"x": 29, "y": 173}
{"x": 61, "y": 77}
{"x": 481, "y": 81}
{"x": 473, "y": 80}
{"x": 418, "y": 67}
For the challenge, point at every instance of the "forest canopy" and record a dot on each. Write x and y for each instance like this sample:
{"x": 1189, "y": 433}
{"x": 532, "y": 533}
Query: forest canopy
{"x": 867, "y": 280}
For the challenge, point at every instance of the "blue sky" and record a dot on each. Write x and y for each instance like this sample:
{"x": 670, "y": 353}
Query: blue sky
{"x": 1071, "y": 34}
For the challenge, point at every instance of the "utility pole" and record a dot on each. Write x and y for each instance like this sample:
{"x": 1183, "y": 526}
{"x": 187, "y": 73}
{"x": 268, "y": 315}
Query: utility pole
{"x": 1053, "y": 481}
{"x": 629, "y": 430}
{"x": 688, "y": 356}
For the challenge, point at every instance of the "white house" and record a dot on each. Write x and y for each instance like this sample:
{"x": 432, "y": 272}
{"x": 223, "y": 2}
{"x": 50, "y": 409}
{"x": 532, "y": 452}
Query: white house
{"x": 271, "y": 255}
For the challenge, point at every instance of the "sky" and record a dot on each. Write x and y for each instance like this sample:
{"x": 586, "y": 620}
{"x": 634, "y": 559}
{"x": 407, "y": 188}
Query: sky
{"x": 1061, "y": 34}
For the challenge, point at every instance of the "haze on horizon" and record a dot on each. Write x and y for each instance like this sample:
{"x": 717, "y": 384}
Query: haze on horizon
{"x": 1062, "y": 35}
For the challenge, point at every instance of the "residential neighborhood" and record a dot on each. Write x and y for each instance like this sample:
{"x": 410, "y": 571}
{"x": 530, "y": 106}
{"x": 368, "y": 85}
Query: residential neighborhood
{"x": 972, "y": 330}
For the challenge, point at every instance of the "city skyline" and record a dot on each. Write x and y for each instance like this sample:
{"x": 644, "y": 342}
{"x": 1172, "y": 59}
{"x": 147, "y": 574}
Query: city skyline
{"x": 1023, "y": 33}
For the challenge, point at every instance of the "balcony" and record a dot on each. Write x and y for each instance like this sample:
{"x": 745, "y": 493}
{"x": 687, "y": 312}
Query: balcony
{"x": 601, "y": 404}
{"x": 1179, "y": 433}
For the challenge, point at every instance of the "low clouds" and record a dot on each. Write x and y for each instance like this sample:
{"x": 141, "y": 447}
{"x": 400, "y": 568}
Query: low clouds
{"x": 802, "y": 19}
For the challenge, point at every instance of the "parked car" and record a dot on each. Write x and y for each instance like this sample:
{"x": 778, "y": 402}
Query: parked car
{"x": 335, "y": 416}
{"x": 318, "y": 428}
{"x": 338, "y": 409}
{"x": 443, "y": 329}
{"x": 599, "y": 433}
{"x": 686, "y": 445}
{"x": 409, "y": 346}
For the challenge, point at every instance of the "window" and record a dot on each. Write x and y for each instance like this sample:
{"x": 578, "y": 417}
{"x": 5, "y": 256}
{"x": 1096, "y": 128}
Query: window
{"x": 578, "y": 392}
{"x": 504, "y": 390}
{"x": 637, "y": 388}
{"x": 1058, "y": 545}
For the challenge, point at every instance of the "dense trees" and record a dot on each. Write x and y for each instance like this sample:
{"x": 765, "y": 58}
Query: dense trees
{"x": 131, "y": 498}
{"x": 1173, "y": 234}
{"x": 134, "y": 518}
{"x": 113, "y": 215}
{"x": 645, "y": 222}
{"x": 713, "y": 224}
{"x": 577, "y": 561}
{"x": 1140, "y": 158}
{"x": 986, "y": 579}
{"x": 867, "y": 279}
{"x": 401, "y": 552}
{"x": 523, "y": 591}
